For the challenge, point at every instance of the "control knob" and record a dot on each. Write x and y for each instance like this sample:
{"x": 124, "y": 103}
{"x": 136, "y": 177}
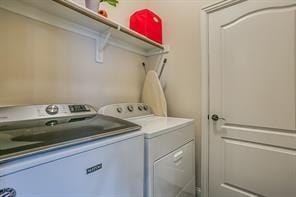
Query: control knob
{"x": 130, "y": 108}
{"x": 145, "y": 107}
{"x": 119, "y": 109}
{"x": 52, "y": 109}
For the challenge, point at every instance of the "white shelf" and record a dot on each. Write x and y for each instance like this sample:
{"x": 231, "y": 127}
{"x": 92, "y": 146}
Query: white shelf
{"x": 73, "y": 17}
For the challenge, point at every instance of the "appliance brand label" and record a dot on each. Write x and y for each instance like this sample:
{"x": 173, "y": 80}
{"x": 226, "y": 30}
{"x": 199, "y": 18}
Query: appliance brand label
{"x": 7, "y": 192}
{"x": 93, "y": 169}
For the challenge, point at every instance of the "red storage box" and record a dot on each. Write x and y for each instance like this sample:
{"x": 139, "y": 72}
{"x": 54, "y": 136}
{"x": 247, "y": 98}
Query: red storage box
{"x": 148, "y": 24}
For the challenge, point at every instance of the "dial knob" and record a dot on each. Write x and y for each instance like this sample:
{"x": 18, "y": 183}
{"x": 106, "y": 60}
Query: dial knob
{"x": 52, "y": 109}
{"x": 130, "y": 108}
{"x": 119, "y": 109}
{"x": 140, "y": 108}
{"x": 145, "y": 107}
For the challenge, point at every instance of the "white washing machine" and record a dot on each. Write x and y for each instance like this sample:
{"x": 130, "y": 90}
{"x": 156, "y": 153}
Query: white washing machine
{"x": 68, "y": 151}
{"x": 169, "y": 150}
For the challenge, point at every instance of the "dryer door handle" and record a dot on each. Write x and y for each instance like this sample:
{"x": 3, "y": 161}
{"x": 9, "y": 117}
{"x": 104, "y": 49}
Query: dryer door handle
{"x": 178, "y": 156}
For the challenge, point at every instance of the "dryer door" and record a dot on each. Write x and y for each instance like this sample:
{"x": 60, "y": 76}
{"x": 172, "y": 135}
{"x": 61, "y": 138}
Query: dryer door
{"x": 174, "y": 174}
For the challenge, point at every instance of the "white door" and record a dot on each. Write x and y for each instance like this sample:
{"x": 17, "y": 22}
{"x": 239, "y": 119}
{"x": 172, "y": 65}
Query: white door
{"x": 252, "y": 85}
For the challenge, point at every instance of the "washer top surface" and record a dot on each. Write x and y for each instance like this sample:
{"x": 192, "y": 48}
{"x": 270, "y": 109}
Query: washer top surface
{"x": 26, "y": 130}
{"x": 152, "y": 125}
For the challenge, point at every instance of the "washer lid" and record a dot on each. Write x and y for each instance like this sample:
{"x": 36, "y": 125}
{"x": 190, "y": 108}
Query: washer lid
{"x": 153, "y": 126}
{"x": 21, "y": 138}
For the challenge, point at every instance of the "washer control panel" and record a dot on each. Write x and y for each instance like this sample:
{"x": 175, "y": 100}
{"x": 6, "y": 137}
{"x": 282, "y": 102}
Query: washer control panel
{"x": 60, "y": 109}
{"x": 126, "y": 110}
{"x": 32, "y": 112}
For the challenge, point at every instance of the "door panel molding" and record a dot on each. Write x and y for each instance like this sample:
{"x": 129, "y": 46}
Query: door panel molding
{"x": 254, "y": 72}
{"x": 233, "y": 190}
{"x": 265, "y": 147}
{"x": 261, "y": 136}
{"x": 278, "y": 9}
{"x": 246, "y": 164}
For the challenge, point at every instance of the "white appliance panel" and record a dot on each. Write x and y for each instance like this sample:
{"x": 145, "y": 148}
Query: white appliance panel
{"x": 112, "y": 170}
{"x": 174, "y": 171}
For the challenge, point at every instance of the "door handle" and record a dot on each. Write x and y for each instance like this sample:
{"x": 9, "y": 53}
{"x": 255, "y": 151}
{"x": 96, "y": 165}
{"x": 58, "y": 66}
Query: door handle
{"x": 215, "y": 117}
{"x": 178, "y": 156}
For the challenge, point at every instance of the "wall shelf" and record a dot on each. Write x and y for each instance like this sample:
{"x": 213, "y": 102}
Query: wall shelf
{"x": 68, "y": 15}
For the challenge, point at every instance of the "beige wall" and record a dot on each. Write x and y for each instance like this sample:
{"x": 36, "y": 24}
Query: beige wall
{"x": 44, "y": 64}
{"x": 182, "y": 78}
{"x": 121, "y": 13}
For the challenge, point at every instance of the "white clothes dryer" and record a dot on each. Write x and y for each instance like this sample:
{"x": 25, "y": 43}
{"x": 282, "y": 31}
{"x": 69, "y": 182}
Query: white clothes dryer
{"x": 169, "y": 150}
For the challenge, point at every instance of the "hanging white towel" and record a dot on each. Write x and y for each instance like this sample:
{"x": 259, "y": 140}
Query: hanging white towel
{"x": 153, "y": 94}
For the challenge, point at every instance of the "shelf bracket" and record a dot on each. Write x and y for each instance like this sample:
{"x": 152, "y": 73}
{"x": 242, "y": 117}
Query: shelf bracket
{"x": 101, "y": 43}
{"x": 164, "y": 51}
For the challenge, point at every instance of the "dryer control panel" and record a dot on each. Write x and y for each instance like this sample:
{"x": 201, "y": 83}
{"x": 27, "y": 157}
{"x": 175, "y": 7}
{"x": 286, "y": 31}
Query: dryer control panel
{"x": 126, "y": 110}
